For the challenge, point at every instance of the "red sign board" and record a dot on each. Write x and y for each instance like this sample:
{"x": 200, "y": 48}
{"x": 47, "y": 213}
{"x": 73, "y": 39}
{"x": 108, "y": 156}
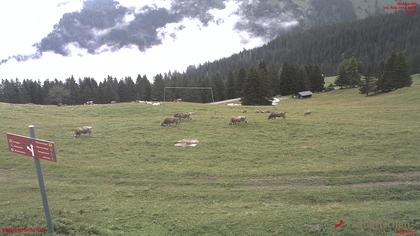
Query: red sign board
{"x": 27, "y": 146}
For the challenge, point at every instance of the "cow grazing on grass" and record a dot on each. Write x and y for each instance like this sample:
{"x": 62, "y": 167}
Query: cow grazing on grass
{"x": 275, "y": 115}
{"x": 170, "y": 121}
{"x": 307, "y": 113}
{"x": 262, "y": 111}
{"x": 243, "y": 111}
{"x": 237, "y": 120}
{"x": 83, "y": 130}
{"x": 183, "y": 115}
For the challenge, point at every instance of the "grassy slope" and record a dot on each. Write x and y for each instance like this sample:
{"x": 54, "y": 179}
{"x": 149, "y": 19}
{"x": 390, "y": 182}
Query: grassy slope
{"x": 354, "y": 158}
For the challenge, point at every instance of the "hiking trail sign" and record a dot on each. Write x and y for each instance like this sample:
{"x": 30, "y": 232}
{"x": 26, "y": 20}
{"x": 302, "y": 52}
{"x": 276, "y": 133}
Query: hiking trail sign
{"x": 37, "y": 149}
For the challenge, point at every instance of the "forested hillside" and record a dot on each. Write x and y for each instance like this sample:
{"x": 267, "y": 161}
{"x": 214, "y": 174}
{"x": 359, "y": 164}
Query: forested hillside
{"x": 370, "y": 41}
{"x": 374, "y": 37}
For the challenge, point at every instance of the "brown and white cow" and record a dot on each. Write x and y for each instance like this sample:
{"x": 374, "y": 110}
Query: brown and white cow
{"x": 237, "y": 120}
{"x": 170, "y": 121}
{"x": 275, "y": 115}
{"x": 183, "y": 115}
{"x": 83, "y": 130}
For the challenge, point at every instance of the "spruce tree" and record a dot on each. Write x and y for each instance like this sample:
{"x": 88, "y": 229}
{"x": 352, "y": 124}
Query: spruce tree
{"x": 288, "y": 73}
{"x": 369, "y": 82}
{"x": 316, "y": 78}
{"x": 263, "y": 90}
{"x": 158, "y": 87}
{"x": 348, "y": 73}
{"x": 402, "y": 76}
{"x": 255, "y": 91}
{"x": 218, "y": 87}
{"x": 240, "y": 81}
{"x": 250, "y": 84}
{"x": 230, "y": 86}
{"x": 146, "y": 88}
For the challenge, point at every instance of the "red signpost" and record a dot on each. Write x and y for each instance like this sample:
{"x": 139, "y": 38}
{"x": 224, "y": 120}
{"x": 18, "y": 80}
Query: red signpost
{"x": 37, "y": 149}
{"x": 27, "y": 146}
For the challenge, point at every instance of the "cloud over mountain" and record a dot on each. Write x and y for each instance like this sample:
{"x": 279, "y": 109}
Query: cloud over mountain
{"x": 100, "y": 27}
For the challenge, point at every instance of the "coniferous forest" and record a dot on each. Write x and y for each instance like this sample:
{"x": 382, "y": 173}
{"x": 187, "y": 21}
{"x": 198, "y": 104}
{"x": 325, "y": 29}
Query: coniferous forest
{"x": 376, "y": 54}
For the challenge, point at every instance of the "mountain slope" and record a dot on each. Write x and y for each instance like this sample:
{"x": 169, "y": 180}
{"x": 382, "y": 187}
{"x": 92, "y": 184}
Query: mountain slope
{"x": 375, "y": 37}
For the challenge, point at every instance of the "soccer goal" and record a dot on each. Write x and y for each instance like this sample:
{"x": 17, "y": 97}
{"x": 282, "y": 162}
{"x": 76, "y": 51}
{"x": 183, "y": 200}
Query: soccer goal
{"x": 192, "y": 88}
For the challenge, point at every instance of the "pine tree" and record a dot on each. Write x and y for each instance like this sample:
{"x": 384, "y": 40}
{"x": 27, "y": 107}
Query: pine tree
{"x": 316, "y": 78}
{"x": 158, "y": 87}
{"x": 342, "y": 75}
{"x": 147, "y": 89}
{"x": 230, "y": 86}
{"x": 255, "y": 88}
{"x": 241, "y": 82}
{"x": 263, "y": 90}
{"x": 402, "y": 76}
{"x": 57, "y": 94}
{"x": 369, "y": 82}
{"x": 250, "y": 85}
{"x": 218, "y": 87}
{"x": 395, "y": 74}
{"x": 301, "y": 81}
{"x": 353, "y": 72}
{"x": 348, "y": 73}
{"x": 74, "y": 91}
{"x": 288, "y": 73}
{"x": 123, "y": 91}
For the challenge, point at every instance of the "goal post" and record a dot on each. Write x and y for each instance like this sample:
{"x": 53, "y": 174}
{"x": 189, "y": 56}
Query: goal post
{"x": 193, "y": 88}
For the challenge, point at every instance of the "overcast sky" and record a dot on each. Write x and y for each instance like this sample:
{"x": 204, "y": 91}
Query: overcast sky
{"x": 26, "y": 22}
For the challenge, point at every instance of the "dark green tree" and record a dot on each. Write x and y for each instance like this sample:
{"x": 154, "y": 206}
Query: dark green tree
{"x": 74, "y": 91}
{"x": 240, "y": 82}
{"x": 348, "y": 73}
{"x": 287, "y": 76}
{"x": 157, "y": 88}
{"x": 369, "y": 82}
{"x": 230, "y": 86}
{"x": 255, "y": 92}
{"x": 57, "y": 94}
{"x": 218, "y": 87}
{"x": 316, "y": 78}
{"x": 396, "y": 74}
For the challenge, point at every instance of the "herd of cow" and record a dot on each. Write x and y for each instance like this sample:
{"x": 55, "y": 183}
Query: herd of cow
{"x": 182, "y": 116}
{"x": 178, "y": 117}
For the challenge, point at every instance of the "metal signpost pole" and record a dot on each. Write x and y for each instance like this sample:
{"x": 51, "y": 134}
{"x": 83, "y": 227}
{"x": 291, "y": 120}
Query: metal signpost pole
{"x": 41, "y": 185}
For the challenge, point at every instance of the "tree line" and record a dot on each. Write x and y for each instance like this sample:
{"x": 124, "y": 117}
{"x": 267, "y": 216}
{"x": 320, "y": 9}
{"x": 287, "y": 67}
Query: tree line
{"x": 255, "y": 85}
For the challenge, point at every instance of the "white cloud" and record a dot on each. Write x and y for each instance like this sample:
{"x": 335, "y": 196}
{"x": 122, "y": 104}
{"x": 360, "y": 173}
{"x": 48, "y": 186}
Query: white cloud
{"x": 194, "y": 44}
{"x": 25, "y": 22}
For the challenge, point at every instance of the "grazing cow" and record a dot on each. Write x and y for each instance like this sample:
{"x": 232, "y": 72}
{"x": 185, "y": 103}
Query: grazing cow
{"x": 89, "y": 103}
{"x": 183, "y": 115}
{"x": 170, "y": 121}
{"x": 275, "y": 115}
{"x": 83, "y": 130}
{"x": 262, "y": 111}
{"x": 307, "y": 113}
{"x": 237, "y": 120}
{"x": 243, "y": 111}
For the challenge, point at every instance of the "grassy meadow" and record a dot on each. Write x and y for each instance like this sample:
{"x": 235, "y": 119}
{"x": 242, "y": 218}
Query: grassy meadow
{"x": 354, "y": 158}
